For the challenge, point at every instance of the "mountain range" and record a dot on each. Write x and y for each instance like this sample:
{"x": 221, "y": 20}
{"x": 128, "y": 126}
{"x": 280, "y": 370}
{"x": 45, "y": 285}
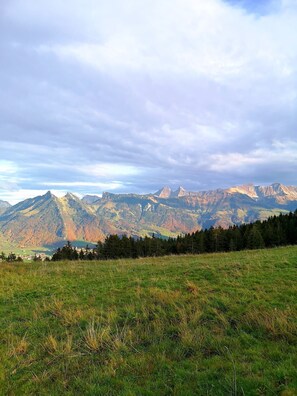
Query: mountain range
{"x": 47, "y": 220}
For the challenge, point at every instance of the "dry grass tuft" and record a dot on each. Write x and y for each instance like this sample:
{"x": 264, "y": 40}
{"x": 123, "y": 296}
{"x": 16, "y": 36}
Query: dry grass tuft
{"x": 103, "y": 337}
{"x": 277, "y": 323}
{"x": 51, "y": 344}
{"x": 96, "y": 337}
{"x": 164, "y": 296}
{"x": 56, "y": 308}
{"x": 18, "y": 347}
{"x": 188, "y": 326}
{"x": 71, "y": 317}
{"x": 61, "y": 347}
{"x": 192, "y": 288}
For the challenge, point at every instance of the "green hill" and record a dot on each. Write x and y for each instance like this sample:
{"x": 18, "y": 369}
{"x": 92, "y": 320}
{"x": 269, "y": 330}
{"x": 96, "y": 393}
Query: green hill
{"x": 216, "y": 324}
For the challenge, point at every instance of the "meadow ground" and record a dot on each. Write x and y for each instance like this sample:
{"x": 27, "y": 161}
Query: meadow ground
{"x": 218, "y": 324}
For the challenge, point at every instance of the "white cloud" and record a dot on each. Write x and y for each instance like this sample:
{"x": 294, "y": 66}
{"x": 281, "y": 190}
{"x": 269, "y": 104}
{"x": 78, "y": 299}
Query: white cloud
{"x": 277, "y": 155}
{"x": 117, "y": 95}
{"x": 8, "y": 175}
{"x": 7, "y": 168}
{"x": 211, "y": 39}
{"x": 108, "y": 170}
{"x": 101, "y": 186}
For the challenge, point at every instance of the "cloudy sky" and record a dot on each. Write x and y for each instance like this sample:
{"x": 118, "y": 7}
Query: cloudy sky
{"x": 128, "y": 96}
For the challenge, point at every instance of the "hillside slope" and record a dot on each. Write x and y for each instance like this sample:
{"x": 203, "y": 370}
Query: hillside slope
{"x": 216, "y": 324}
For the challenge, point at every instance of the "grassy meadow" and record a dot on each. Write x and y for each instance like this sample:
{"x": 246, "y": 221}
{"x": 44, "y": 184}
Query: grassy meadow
{"x": 216, "y": 324}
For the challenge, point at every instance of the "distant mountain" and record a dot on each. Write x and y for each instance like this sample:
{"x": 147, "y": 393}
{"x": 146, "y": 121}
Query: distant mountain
{"x": 4, "y": 206}
{"x": 46, "y": 219}
{"x": 165, "y": 192}
{"x": 90, "y": 199}
{"x": 180, "y": 192}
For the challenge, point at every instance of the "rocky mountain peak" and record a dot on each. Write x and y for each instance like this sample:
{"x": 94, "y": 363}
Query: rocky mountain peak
{"x": 72, "y": 196}
{"x": 107, "y": 195}
{"x": 278, "y": 187}
{"x": 247, "y": 189}
{"x": 47, "y": 219}
{"x": 90, "y": 199}
{"x": 164, "y": 192}
{"x": 49, "y": 194}
{"x": 180, "y": 192}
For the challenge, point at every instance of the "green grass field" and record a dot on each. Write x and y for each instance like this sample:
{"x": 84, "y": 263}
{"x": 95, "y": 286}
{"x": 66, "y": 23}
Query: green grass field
{"x": 218, "y": 324}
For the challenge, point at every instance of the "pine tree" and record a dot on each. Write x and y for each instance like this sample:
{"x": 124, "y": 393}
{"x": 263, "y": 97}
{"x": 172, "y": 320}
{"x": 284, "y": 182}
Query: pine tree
{"x": 254, "y": 239}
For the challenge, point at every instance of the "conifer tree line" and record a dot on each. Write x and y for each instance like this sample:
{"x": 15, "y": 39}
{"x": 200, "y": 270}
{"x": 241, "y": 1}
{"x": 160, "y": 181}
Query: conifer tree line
{"x": 276, "y": 231}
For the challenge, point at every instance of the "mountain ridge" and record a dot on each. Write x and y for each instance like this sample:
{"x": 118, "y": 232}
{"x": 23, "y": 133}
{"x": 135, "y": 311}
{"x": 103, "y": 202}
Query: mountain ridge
{"x": 47, "y": 219}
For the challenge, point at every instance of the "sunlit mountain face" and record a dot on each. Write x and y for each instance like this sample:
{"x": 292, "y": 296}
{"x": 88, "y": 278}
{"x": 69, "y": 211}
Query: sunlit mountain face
{"x": 46, "y": 220}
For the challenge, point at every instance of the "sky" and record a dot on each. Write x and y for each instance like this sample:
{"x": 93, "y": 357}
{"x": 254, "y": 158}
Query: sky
{"x": 128, "y": 96}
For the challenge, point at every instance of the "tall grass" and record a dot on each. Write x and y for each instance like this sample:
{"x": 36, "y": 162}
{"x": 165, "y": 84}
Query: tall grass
{"x": 221, "y": 324}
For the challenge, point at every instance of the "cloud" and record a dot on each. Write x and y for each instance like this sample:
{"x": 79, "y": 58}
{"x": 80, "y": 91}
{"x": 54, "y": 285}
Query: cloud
{"x": 132, "y": 95}
{"x": 278, "y": 160}
{"x": 108, "y": 170}
{"x": 278, "y": 154}
{"x": 8, "y": 176}
{"x": 7, "y": 168}
{"x": 101, "y": 186}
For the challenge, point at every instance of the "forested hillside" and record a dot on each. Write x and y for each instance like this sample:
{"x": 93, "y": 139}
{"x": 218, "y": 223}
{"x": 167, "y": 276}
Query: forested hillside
{"x": 276, "y": 231}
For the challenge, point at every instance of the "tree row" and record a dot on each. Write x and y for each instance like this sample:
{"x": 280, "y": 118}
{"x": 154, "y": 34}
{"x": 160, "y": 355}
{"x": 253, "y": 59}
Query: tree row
{"x": 276, "y": 231}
